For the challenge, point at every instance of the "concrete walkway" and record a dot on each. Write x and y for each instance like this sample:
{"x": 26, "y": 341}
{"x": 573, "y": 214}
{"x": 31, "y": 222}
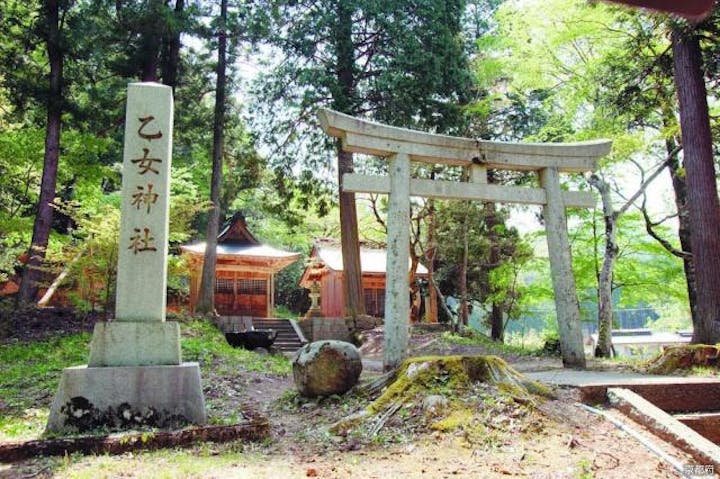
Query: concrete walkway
{"x": 675, "y": 393}
{"x": 572, "y": 377}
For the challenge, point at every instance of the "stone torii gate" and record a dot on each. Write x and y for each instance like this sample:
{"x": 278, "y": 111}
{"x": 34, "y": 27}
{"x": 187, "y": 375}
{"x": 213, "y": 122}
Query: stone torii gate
{"x": 401, "y": 146}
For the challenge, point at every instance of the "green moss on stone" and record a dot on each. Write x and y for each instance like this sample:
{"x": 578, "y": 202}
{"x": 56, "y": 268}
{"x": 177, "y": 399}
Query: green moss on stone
{"x": 456, "y": 419}
{"x": 447, "y": 374}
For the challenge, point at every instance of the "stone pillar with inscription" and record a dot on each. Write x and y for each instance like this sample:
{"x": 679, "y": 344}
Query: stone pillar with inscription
{"x": 135, "y": 368}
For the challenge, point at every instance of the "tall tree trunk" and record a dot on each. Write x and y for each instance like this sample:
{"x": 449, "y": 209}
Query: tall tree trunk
{"x": 680, "y": 188}
{"x": 702, "y": 197}
{"x": 432, "y": 310}
{"x": 206, "y": 298}
{"x": 44, "y": 216}
{"x": 415, "y": 297}
{"x": 605, "y": 305}
{"x": 605, "y": 278}
{"x": 464, "y": 312}
{"x": 342, "y": 100}
{"x": 151, "y": 42}
{"x": 170, "y": 60}
{"x": 497, "y": 325}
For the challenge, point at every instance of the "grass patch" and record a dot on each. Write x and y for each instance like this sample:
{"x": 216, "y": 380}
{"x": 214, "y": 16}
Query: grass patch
{"x": 29, "y": 376}
{"x": 473, "y": 338}
{"x": 204, "y": 343}
{"x": 203, "y": 460}
{"x": 30, "y": 372}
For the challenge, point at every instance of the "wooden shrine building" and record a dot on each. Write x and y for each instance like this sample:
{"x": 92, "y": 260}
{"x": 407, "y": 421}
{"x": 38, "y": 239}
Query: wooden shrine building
{"x": 324, "y": 272}
{"x": 244, "y": 274}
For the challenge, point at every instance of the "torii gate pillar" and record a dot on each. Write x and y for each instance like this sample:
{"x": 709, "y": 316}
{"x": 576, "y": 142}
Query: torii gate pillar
{"x": 563, "y": 281}
{"x": 397, "y": 305}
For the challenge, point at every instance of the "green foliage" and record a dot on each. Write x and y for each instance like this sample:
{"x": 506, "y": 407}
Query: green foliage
{"x": 94, "y": 254}
{"x": 558, "y": 45}
{"x": 395, "y": 62}
{"x": 674, "y": 318}
{"x": 288, "y": 293}
{"x": 21, "y": 158}
{"x": 187, "y": 201}
{"x": 645, "y": 272}
{"x": 20, "y": 168}
{"x": 547, "y": 71}
{"x": 496, "y": 254}
{"x": 594, "y": 71}
{"x": 30, "y": 371}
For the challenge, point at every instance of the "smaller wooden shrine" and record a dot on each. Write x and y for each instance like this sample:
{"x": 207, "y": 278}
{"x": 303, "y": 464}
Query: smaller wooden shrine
{"x": 244, "y": 274}
{"x": 324, "y": 276}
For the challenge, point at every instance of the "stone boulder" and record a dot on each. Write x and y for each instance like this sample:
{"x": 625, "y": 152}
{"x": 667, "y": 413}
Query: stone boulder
{"x": 326, "y": 367}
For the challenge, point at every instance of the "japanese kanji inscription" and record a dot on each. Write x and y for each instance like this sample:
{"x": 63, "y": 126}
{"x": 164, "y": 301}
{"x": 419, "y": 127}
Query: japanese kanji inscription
{"x": 144, "y": 225}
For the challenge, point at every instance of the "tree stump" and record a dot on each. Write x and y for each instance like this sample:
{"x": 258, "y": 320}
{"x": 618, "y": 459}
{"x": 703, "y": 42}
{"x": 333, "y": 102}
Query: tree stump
{"x": 435, "y": 376}
{"x": 683, "y": 357}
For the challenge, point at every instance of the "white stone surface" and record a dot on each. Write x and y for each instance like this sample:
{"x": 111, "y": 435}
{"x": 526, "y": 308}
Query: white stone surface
{"x": 142, "y": 343}
{"x": 643, "y": 411}
{"x": 169, "y": 390}
{"x": 397, "y": 302}
{"x": 401, "y": 145}
{"x": 142, "y": 259}
{"x": 136, "y": 359}
{"x": 455, "y": 190}
{"x": 363, "y": 136}
{"x": 566, "y": 302}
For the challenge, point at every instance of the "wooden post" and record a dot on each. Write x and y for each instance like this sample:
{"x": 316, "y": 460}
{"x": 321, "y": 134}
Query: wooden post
{"x": 196, "y": 270}
{"x": 397, "y": 307}
{"x": 566, "y": 302}
{"x": 236, "y": 300}
{"x": 272, "y": 295}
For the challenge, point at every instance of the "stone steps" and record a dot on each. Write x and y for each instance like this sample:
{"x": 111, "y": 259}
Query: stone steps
{"x": 288, "y": 339}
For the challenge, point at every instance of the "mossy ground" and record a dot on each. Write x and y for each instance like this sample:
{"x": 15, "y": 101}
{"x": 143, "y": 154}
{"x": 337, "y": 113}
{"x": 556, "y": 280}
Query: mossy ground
{"x": 475, "y": 397}
{"x": 449, "y": 375}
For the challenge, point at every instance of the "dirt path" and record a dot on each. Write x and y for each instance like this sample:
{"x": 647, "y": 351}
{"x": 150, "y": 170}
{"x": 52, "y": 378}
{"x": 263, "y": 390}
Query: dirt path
{"x": 558, "y": 439}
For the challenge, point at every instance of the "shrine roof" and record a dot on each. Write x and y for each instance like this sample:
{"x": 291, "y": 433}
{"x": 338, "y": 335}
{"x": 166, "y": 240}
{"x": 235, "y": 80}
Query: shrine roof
{"x": 235, "y": 242}
{"x": 239, "y": 249}
{"x": 371, "y": 260}
{"x": 235, "y": 230}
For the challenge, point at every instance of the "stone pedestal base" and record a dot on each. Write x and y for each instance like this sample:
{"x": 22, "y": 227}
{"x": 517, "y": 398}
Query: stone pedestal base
{"x": 126, "y": 343}
{"x": 313, "y": 313}
{"x": 126, "y": 397}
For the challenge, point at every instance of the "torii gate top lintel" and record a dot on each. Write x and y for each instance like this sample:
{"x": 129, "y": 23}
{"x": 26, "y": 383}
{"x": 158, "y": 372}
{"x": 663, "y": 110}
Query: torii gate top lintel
{"x": 363, "y": 136}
